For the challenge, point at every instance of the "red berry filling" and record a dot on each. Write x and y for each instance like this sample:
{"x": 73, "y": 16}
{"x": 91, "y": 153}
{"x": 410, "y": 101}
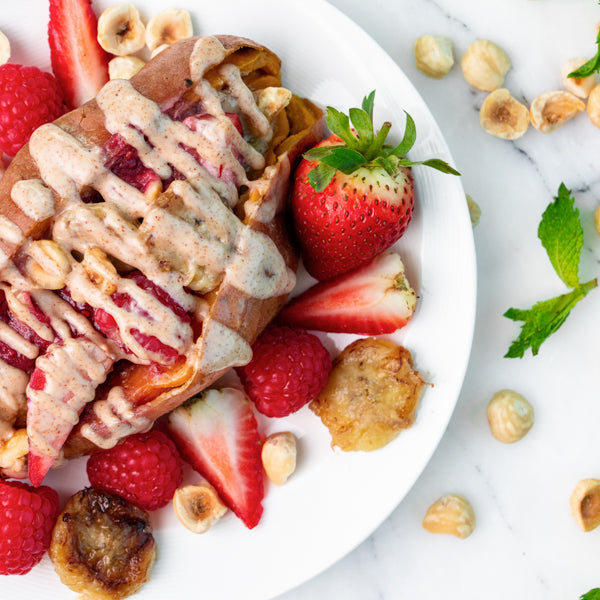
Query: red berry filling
{"x": 123, "y": 160}
{"x": 105, "y": 322}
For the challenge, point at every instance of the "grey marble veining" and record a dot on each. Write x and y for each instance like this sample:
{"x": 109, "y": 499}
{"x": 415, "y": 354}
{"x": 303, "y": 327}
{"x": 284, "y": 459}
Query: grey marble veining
{"x": 526, "y": 544}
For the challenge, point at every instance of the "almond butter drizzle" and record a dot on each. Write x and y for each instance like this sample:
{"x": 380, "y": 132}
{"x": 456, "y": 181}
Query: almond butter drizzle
{"x": 206, "y": 236}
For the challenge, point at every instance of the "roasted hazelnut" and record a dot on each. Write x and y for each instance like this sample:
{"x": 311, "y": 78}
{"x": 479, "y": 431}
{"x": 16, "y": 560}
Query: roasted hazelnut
{"x": 552, "y": 110}
{"x": 451, "y": 514}
{"x": 510, "y": 416}
{"x": 503, "y": 116}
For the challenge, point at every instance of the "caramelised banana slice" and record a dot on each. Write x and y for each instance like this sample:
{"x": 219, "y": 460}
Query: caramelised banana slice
{"x": 102, "y": 546}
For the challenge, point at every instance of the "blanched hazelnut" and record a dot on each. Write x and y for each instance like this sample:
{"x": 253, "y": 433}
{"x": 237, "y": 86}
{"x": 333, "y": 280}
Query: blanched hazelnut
{"x": 510, "y": 416}
{"x": 124, "y": 67}
{"x": 503, "y": 116}
{"x": 597, "y": 219}
{"x": 581, "y": 87}
{"x": 198, "y": 507}
{"x": 474, "y": 210}
{"x": 279, "y": 456}
{"x": 433, "y": 55}
{"x": 593, "y": 106}
{"x": 552, "y": 110}
{"x": 451, "y": 514}
{"x": 485, "y": 65}
{"x": 585, "y": 504}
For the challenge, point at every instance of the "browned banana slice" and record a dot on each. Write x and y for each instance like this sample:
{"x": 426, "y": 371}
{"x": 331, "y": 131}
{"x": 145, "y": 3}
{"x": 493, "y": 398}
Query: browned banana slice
{"x": 102, "y": 546}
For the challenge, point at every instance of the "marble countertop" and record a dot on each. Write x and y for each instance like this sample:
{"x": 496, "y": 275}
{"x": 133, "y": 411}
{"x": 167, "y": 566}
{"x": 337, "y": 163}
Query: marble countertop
{"x": 526, "y": 543}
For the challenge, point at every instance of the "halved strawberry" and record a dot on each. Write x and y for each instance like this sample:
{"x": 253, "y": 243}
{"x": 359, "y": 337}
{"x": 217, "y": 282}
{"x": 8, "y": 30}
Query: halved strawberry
{"x": 79, "y": 63}
{"x": 217, "y": 434}
{"x": 373, "y": 299}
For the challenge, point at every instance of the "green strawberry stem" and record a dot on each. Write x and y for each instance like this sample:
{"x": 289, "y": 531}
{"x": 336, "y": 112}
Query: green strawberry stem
{"x": 361, "y": 147}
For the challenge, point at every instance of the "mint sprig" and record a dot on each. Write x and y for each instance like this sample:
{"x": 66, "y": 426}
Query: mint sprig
{"x": 591, "y": 595}
{"x": 589, "y": 67}
{"x": 561, "y": 234}
{"x": 362, "y": 146}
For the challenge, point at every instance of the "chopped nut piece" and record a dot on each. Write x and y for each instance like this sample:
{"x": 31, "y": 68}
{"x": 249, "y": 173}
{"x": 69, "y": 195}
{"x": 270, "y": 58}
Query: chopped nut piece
{"x": 552, "y": 110}
{"x": 124, "y": 67}
{"x": 510, "y": 416}
{"x": 585, "y": 504}
{"x": 4, "y": 49}
{"x": 48, "y": 265}
{"x": 581, "y": 87}
{"x": 503, "y": 116}
{"x": 279, "y": 456}
{"x": 198, "y": 507}
{"x": 13, "y": 453}
{"x": 485, "y": 65}
{"x": 593, "y": 106}
{"x": 474, "y": 210}
{"x": 451, "y": 514}
{"x": 433, "y": 55}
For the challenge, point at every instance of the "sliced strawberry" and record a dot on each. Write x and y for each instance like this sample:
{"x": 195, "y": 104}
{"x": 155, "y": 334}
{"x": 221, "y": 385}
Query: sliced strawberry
{"x": 217, "y": 434}
{"x": 79, "y": 63}
{"x": 370, "y": 300}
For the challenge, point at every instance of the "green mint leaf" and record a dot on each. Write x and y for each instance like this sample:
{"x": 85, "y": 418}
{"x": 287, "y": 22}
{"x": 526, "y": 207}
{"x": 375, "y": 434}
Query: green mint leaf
{"x": 586, "y": 69}
{"x": 591, "y": 595}
{"x": 339, "y": 123}
{"x": 344, "y": 160}
{"x": 363, "y": 125}
{"x": 561, "y": 235}
{"x": 368, "y": 103}
{"x": 590, "y": 67}
{"x": 408, "y": 141}
{"x": 320, "y": 176}
{"x": 543, "y": 319}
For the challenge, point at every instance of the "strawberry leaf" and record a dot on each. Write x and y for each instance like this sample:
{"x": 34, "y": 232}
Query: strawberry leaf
{"x": 320, "y": 152}
{"x": 408, "y": 141}
{"x": 364, "y": 126}
{"x": 320, "y": 176}
{"x": 368, "y": 103}
{"x": 344, "y": 160}
{"x": 339, "y": 123}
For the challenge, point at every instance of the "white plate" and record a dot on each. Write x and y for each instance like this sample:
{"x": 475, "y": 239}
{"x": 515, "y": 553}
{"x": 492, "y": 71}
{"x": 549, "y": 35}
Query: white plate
{"x": 334, "y": 500}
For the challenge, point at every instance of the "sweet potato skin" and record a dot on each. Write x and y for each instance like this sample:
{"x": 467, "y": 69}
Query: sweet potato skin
{"x": 165, "y": 80}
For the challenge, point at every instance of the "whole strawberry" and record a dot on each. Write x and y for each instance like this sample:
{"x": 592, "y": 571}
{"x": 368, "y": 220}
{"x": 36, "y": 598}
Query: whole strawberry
{"x": 289, "y": 368}
{"x": 27, "y": 516}
{"x": 353, "y": 194}
{"x": 30, "y": 97}
{"x": 145, "y": 469}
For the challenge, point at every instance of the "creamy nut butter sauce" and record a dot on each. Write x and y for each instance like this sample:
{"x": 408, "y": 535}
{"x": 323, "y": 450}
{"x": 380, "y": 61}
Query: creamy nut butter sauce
{"x": 187, "y": 245}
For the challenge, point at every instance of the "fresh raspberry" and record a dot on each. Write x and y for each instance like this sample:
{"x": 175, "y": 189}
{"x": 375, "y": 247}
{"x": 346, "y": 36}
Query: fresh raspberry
{"x": 27, "y": 516}
{"x": 28, "y": 98}
{"x": 145, "y": 469}
{"x": 288, "y": 369}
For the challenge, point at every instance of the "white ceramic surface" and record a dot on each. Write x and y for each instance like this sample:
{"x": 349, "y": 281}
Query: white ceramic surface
{"x": 335, "y": 500}
{"x": 526, "y": 544}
